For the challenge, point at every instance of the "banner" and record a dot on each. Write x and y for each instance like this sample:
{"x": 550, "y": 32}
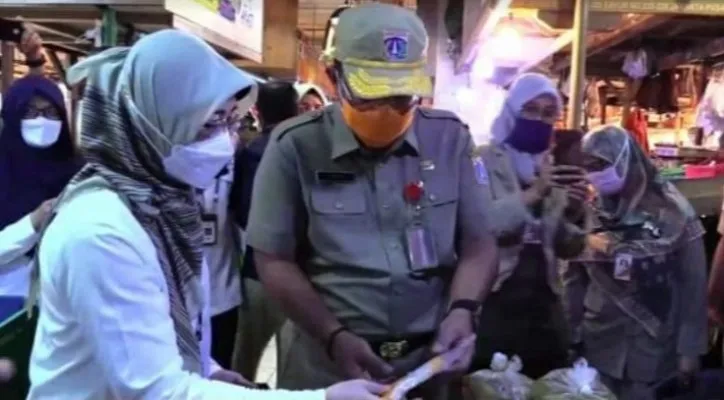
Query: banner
{"x": 239, "y": 24}
{"x": 691, "y": 7}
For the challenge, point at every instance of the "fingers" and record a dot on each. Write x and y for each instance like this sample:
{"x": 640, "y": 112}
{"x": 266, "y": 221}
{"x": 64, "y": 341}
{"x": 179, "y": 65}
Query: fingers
{"x": 376, "y": 366}
{"x": 373, "y": 387}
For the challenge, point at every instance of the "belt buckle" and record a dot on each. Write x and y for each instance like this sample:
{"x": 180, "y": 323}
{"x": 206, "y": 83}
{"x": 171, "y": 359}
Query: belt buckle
{"x": 393, "y": 350}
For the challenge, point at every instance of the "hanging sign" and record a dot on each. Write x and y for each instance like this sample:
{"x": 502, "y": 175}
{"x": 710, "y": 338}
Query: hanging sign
{"x": 236, "y": 25}
{"x": 691, "y": 7}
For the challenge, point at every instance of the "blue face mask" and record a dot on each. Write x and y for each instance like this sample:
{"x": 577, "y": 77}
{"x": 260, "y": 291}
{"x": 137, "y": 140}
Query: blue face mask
{"x": 530, "y": 136}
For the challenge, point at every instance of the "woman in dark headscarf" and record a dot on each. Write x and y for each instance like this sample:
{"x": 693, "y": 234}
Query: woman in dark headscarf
{"x": 37, "y": 159}
{"x": 636, "y": 298}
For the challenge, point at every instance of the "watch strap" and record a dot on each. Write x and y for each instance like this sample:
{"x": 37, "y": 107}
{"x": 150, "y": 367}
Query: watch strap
{"x": 36, "y": 63}
{"x": 465, "y": 304}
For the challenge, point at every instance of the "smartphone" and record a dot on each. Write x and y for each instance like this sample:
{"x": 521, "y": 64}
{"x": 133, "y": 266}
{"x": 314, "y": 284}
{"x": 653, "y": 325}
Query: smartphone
{"x": 11, "y": 30}
{"x": 262, "y": 386}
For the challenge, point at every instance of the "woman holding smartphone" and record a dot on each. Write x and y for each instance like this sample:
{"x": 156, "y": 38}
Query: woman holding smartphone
{"x": 529, "y": 198}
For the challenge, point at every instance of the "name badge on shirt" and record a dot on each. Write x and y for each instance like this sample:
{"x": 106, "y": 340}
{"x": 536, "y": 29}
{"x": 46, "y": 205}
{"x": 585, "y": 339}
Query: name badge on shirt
{"x": 533, "y": 233}
{"x": 210, "y": 226}
{"x": 421, "y": 249}
{"x": 622, "y": 267}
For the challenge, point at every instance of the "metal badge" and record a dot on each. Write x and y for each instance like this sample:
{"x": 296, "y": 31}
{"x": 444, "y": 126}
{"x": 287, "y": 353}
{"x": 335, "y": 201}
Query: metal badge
{"x": 427, "y": 165}
{"x": 393, "y": 350}
{"x": 396, "y": 46}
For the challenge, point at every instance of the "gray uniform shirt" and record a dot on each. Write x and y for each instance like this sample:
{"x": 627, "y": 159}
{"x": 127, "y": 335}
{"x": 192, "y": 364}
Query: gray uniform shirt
{"x": 317, "y": 194}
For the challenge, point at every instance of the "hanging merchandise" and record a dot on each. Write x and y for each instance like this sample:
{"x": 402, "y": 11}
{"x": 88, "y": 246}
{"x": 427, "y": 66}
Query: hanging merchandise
{"x": 636, "y": 64}
{"x": 710, "y": 111}
{"x": 637, "y": 125}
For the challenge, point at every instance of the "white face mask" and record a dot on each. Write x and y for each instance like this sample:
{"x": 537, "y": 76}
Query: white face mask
{"x": 607, "y": 181}
{"x": 40, "y": 132}
{"x": 198, "y": 164}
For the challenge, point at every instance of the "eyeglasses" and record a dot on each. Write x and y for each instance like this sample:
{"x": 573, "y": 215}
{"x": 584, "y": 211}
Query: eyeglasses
{"x": 399, "y": 103}
{"x": 48, "y": 112}
{"x": 232, "y": 124}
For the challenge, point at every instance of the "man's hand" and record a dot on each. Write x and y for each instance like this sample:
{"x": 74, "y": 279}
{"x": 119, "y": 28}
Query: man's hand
{"x": 457, "y": 326}
{"x": 234, "y": 378}
{"x": 357, "y": 360}
{"x": 31, "y": 44}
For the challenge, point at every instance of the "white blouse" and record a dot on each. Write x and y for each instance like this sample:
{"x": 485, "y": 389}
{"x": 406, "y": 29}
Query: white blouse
{"x": 15, "y": 241}
{"x": 104, "y": 330}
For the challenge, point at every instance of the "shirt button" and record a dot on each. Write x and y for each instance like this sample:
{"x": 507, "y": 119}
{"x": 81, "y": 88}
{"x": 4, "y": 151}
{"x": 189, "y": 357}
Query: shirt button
{"x": 432, "y": 197}
{"x": 394, "y": 246}
{"x": 338, "y": 205}
{"x": 385, "y": 206}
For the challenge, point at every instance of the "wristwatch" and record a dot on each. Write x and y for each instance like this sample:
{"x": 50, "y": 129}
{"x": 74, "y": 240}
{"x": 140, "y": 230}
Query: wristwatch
{"x": 468, "y": 305}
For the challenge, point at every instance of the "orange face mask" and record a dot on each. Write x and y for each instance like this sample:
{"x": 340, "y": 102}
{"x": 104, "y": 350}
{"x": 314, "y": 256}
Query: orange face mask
{"x": 378, "y": 127}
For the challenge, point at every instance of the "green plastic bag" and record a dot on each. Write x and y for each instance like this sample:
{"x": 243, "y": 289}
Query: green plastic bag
{"x": 503, "y": 381}
{"x": 578, "y": 383}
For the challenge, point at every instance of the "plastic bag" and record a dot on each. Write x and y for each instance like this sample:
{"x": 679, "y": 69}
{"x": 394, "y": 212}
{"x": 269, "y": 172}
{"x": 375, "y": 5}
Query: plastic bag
{"x": 578, "y": 383}
{"x": 503, "y": 381}
{"x": 636, "y": 64}
{"x": 440, "y": 364}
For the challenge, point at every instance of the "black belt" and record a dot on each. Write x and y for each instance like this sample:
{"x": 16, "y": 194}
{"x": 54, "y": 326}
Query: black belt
{"x": 396, "y": 348}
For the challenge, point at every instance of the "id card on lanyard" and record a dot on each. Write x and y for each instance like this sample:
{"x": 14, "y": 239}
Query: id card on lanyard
{"x": 209, "y": 218}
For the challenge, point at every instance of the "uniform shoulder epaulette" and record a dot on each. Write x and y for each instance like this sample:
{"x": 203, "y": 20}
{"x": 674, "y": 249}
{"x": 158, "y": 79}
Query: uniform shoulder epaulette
{"x": 436, "y": 113}
{"x": 289, "y": 125}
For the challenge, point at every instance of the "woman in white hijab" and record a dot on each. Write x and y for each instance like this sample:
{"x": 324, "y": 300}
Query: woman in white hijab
{"x": 528, "y": 199}
{"x": 311, "y": 97}
{"x": 120, "y": 270}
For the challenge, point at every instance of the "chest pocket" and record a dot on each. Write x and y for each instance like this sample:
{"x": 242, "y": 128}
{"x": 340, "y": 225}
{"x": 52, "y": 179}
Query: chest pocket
{"x": 340, "y": 199}
{"x": 441, "y": 205}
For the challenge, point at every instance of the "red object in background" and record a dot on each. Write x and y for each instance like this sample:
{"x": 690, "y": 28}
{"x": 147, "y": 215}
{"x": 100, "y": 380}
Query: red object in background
{"x": 413, "y": 192}
{"x": 638, "y": 127}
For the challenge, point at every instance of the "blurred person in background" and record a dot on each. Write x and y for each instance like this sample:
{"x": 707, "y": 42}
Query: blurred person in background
{"x": 124, "y": 286}
{"x": 37, "y": 159}
{"x": 311, "y": 97}
{"x": 636, "y": 298}
{"x": 529, "y": 197}
{"x": 260, "y": 317}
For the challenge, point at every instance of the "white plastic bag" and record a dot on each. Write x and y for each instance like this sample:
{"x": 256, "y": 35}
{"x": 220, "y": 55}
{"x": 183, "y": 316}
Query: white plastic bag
{"x": 578, "y": 383}
{"x": 636, "y": 64}
{"x": 503, "y": 381}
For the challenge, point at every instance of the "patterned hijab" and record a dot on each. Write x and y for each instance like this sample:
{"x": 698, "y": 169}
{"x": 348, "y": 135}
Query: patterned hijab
{"x": 646, "y": 198}
{"x": 524, "y": 89}
{"x": 138, "y": 103}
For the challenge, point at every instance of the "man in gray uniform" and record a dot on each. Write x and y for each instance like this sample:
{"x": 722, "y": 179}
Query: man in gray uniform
{"x": 367, "y": 216}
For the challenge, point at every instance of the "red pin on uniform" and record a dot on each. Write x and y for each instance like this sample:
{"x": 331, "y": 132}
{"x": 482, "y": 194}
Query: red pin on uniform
{"x": 413, "y": 192}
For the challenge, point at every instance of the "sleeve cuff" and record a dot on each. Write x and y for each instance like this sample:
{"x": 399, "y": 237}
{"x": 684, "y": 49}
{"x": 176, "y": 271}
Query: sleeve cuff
{"x": 25, "y": 228}
{"x": 214, "y": 367}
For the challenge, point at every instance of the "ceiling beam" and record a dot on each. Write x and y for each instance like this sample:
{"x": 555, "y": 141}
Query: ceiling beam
{"x": 711, "y": 49}
{"x": 631, "y": 27}
{"x": 60, "y": 15}
{"x": 484, "y": 17}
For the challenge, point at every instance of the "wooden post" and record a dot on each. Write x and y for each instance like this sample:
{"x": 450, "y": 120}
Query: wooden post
{"x": 578, "y": 64}
{"x": 7, "y": 65}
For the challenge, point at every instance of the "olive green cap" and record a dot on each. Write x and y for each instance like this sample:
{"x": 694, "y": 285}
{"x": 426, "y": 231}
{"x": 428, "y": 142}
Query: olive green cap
{"x": 383, "y": 51}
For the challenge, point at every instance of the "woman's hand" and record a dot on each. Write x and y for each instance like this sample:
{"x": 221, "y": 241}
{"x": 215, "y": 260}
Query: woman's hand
{"x": 356, "y": 390}
{"x": 31, "y": 44}
{"x": 232, "y": 377}
{"x": 41, "y": 214}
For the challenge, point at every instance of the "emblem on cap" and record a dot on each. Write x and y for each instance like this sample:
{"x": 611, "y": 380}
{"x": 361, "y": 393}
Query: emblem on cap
{"x": 396, "y": 46}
